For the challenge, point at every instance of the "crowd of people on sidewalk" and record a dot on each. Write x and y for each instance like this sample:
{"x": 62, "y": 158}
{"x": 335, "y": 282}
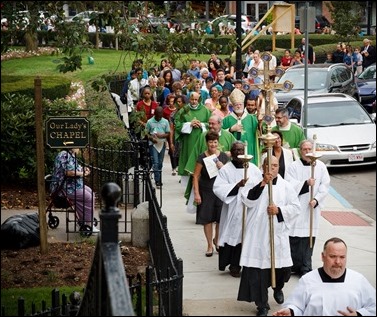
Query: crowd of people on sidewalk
{"x": 238, "y": 186}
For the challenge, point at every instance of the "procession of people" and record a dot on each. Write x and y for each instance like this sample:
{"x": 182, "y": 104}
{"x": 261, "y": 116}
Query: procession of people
{"x": 256, "y": 186}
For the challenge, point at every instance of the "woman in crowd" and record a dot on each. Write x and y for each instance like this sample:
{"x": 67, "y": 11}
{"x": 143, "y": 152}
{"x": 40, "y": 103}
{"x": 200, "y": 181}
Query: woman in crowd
{"x": 208, "y": 204}
{"x": 285, "y": 156}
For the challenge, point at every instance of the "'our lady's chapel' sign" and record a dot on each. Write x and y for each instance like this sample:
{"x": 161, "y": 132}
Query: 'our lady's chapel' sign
{"x": 67, "y": 132}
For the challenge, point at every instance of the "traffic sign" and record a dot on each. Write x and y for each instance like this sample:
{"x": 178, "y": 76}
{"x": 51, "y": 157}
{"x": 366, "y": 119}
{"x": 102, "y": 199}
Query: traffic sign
{"x": 67, "y": 132}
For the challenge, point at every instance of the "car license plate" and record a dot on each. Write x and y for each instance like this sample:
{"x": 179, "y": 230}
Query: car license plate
{"x": 355, "y": 157}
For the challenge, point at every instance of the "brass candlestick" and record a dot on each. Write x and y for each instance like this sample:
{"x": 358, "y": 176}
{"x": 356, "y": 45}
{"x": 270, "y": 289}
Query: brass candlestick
{"x": 313, "y": 158}
{"x": 246, "y": 158}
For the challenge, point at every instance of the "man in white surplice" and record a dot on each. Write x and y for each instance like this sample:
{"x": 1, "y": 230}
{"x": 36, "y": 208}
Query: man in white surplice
{"x": 227, "y": 187}
{"x": 256, "y": 257}
{"x": 331, "y": 290}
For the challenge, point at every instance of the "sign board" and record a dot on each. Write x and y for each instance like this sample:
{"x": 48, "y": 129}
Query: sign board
{"x": 311, "y": 19}
{"x": 67, "y": 132}
{"x": 284, "y": 17}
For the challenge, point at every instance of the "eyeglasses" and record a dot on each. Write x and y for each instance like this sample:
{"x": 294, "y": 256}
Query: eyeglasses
{"x": 279, "y": 118}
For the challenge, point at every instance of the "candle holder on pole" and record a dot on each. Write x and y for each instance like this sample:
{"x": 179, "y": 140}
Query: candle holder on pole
{"x": 246, "y": 158}
{"x": 313, "y": 158}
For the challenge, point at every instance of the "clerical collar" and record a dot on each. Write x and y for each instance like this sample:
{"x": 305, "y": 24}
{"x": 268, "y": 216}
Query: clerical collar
{"x": 274, "y": 180}
{"x": 305, "y": 163}
{"x": 328, "y": 279}
{"x": 237, "y": 164}
{"x": 193, "y": 108}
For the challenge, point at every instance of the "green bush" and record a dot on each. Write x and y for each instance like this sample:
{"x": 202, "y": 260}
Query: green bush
{"x": 18, "y": 135}
{"x": 53, "y": 87}
{"x": 18, "y": 146}
{"x": 107, "y": 130}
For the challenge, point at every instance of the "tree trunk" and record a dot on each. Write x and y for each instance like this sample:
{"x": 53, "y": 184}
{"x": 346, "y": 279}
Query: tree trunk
{"x": 31, "y": 41}
{"x": 97, "y": 38}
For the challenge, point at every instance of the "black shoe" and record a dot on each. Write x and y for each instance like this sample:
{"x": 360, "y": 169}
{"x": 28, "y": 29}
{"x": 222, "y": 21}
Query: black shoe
{"x": 279, "y": 296}
{"x": 234, "y": 271}
{"x": 208, "y": 254}
{"x": 262, "y": 311}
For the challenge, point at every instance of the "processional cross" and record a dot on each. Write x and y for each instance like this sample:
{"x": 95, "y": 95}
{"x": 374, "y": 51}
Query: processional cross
{"x": 267, "y": 89}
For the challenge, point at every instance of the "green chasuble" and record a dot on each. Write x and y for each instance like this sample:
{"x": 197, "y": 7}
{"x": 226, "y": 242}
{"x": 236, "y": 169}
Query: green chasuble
{"x": 226, "y": 140}
{"x": 249, "y": 133}
{"x": 186, "y": 137}
{"x": 292, "y": 134}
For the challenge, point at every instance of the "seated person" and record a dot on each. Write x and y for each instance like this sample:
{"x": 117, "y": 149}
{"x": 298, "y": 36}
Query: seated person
{"x": 70, "y": 174}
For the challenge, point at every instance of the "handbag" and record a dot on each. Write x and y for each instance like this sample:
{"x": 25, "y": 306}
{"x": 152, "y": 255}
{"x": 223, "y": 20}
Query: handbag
{"x": 191, "y": 207}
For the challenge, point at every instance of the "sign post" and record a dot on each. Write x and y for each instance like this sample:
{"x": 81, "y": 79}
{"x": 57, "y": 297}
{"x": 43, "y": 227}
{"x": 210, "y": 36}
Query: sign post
{"x": 71, "y": 132}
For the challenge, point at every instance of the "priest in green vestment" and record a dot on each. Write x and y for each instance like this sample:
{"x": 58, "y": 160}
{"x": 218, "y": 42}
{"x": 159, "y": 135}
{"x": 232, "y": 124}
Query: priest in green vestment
{"x": 292, "y": 133}
{"x": 225, "y": 142}
{"x": 243, "y": 125}
{"x": 191, "y": 122}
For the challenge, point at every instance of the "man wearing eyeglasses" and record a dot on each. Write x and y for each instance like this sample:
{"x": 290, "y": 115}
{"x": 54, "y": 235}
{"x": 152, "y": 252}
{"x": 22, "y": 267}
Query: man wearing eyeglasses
{"x": 292, "y": 133}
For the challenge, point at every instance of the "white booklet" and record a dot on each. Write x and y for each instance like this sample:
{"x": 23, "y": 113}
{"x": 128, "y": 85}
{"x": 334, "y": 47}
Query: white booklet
{"x": 210, "y": 163}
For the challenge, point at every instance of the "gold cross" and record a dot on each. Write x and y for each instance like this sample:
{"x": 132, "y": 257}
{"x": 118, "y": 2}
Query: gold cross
{"x": 267, "y": 87}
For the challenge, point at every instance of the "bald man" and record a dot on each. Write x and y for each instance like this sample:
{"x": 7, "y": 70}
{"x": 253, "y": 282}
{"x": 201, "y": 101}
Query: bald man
{"x": 190, "y": 122}
{"x": 256, "y": 257}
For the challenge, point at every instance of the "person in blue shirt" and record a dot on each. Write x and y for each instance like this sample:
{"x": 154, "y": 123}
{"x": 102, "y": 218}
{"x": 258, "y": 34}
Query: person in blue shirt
{"x": 158, "y": 132}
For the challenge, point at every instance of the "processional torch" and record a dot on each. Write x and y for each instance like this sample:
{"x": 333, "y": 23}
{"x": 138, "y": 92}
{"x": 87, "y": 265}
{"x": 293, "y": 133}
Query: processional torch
{"x": 313, "y": 157}
{"x": 245, "y": 159}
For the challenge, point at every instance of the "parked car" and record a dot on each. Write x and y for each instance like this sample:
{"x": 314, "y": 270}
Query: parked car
{"x": 346, "y": 133}
{"x": 322, "y": 78}
{"x": 153, "y": 23}
{"x": 229, "y": 21}
{"x": 85, "y": 16}
{"x": 366, "y": 83}
{"x": 22, "y": 19}
{"x": 320, "y": 22}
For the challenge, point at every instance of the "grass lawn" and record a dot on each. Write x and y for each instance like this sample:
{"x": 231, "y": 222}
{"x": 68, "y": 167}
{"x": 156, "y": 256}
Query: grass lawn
{"x": 9, "y": 298}
{"x": 105, "y": 62}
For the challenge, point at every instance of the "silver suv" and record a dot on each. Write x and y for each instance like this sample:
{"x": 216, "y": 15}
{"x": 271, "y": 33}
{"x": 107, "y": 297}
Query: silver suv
{"x": 322, "y": 78}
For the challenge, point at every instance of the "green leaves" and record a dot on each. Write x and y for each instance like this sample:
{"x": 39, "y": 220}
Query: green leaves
{"x": 70, "y": 64}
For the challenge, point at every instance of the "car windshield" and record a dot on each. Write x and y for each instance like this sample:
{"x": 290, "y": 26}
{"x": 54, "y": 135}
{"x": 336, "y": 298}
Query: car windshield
{"x": 316, "y": 79}
{"x": 369, "y": 73}
{"x": 337, "y": 113}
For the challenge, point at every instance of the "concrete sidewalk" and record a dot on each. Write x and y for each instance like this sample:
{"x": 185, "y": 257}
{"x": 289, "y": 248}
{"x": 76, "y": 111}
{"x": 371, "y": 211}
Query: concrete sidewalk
{"x": 210, "y": 292}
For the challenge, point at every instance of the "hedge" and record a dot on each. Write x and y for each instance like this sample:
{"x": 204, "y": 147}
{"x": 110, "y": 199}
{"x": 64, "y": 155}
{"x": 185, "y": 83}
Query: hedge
{"x": 54, "y": 87}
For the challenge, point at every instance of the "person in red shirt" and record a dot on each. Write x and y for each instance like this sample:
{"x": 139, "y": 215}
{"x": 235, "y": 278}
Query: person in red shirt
{"x": 286, "y": 59}
{"x": 146, "y": 104}
{"x": 170, "y": 107}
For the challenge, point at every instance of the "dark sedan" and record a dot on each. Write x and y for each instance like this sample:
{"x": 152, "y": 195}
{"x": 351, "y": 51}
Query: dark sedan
{"x": 366, "y": 83}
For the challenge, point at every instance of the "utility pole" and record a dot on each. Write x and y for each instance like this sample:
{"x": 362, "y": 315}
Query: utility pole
{"x": 239, "y": 41}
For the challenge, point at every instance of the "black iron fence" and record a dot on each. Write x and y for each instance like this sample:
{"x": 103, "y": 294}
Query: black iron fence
{"x": 127, "y": 178}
